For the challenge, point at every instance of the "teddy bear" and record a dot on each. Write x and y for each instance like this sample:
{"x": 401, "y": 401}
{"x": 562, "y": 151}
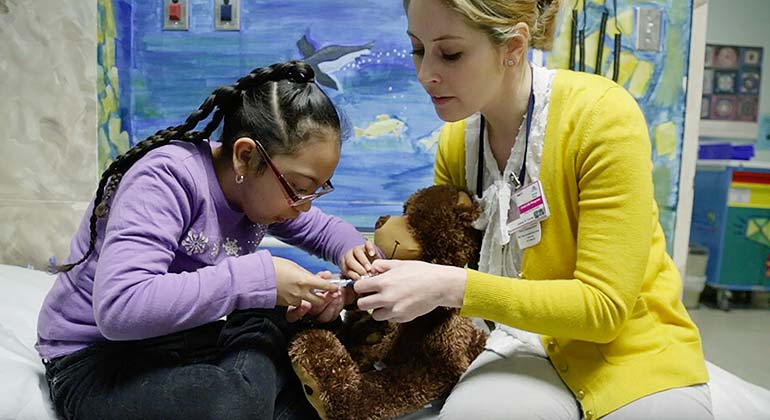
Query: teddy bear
{"x": 368, "y": 369}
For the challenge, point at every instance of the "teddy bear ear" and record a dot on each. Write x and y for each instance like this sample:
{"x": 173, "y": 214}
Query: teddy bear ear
{"x": 467, "y": 209}
{"x": 465, "y": 204}
{"x": 463, "y": 199}
{"x": 381, "y": 221}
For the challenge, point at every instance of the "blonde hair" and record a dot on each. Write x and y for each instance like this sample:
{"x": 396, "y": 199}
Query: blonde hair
{"x": 497, "y": 18}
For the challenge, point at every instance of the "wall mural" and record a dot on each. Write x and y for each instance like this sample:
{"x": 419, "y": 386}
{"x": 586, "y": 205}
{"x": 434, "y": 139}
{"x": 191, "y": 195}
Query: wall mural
{"x": 160, "y": 77}
{"x": 113, "y": 52}
{"x": 654, "y": 78}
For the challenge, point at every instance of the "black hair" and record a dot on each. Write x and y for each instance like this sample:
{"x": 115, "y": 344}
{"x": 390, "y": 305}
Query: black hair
{"x": 279, "y": 105}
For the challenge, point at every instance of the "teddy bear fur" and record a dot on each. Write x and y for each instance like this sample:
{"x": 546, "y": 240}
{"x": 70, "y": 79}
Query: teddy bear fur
{"x": 370, "y": 369}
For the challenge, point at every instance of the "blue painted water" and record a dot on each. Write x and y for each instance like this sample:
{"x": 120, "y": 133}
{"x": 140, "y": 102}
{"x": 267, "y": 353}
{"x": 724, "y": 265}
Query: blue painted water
{"x": 173, "y": 72}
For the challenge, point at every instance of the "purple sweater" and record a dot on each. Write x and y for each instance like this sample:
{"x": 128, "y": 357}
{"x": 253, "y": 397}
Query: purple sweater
{"x": 171, "y": 256}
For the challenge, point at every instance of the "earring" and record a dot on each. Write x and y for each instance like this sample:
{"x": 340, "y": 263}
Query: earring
{"x": 239, "y": 179}
{"x": 509, "y": 63}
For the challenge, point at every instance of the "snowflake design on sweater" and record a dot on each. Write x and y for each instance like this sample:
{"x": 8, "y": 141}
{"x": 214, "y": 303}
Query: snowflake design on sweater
{"x": 195, "y": 242}
{"x": 231, "y": 247}
{"x": 259, "y": 233}
{"x": 215, "y": 248}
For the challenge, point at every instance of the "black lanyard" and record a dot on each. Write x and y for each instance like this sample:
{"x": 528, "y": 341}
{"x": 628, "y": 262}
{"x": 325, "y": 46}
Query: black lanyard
{"x": 523, "y": 171}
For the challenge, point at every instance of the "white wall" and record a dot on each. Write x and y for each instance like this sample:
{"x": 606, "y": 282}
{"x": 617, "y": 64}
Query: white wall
{"x": 700, "y": 12}
{"x": 48, "y": 123}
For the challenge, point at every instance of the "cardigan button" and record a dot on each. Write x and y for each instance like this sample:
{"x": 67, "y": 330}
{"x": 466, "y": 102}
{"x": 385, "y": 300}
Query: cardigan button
{"x": 581, "y": 394}
{"x": 552, "y": 346}
{"x": 589, "y": 415}
{"x": 564, "y": 367}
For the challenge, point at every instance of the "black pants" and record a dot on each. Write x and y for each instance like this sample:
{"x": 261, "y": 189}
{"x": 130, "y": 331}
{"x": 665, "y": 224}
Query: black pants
{"x": 234, "y": 369}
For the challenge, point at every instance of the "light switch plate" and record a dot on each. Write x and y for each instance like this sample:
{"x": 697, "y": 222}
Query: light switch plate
{"x": 184, "y": 18}
{"x": 649, "y": 28}
{"x": 234, "y": 24}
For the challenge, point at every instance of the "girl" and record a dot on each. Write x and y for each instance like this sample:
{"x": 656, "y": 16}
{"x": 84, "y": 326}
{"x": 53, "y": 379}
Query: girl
{"x": 573, "y": 266}
{"x": 133, "y": 328}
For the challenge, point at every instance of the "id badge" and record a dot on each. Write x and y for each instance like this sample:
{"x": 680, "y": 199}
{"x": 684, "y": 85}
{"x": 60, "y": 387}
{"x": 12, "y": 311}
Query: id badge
{"x": 530, "y": 205}
{"x": 529, "y": 235}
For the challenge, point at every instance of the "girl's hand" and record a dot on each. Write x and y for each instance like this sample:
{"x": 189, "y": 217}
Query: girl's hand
{"x": 333, "y": 303}
{"x": 295, "y": 313}
{"x": 328, "y": 311}
{"x": 407, "y": 289}
{"x": 356, "y": 262}
{"x": 295, "y": 284}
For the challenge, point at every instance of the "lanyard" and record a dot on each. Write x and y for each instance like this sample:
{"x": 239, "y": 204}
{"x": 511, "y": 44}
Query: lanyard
{"x": 523, "y": 171}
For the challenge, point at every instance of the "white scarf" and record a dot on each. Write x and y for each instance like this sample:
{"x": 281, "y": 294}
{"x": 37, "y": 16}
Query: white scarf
{"x": 500, "y": 255}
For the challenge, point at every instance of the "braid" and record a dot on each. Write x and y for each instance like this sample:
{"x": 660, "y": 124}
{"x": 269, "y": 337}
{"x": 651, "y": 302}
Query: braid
{"x": 294, "y": 71}
{"x": 109, "y": 183}
{"x": 103, "y": 209}
{"x": 111, "y": 177}
{"x": 226, "y": 100}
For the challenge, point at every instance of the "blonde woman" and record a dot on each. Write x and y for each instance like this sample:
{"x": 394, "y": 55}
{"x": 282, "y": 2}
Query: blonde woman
{"x": 573, "y": 267}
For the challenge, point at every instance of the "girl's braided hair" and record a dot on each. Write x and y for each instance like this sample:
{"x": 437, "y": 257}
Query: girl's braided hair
{"x": 280, "y": 105}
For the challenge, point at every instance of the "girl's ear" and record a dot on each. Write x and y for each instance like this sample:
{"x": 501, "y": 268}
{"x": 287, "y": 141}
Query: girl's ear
{"x": 243, "y": 150}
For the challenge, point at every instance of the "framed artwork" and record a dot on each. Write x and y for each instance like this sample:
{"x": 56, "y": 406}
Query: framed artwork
{"x": 731, "y": 90}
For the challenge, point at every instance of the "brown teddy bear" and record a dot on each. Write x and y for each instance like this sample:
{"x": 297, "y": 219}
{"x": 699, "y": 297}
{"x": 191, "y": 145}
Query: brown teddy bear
{"x": 371, "y": 369}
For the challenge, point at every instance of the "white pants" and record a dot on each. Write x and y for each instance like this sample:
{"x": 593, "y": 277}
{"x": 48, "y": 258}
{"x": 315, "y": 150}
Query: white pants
{"x": 515, "y": 380}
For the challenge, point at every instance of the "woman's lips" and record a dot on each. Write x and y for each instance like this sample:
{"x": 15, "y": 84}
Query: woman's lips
{"x": 441, "y": 100}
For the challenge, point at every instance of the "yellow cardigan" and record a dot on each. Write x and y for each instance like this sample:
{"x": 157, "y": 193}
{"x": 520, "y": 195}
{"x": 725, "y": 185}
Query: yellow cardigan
{"x": 599, "y": 287}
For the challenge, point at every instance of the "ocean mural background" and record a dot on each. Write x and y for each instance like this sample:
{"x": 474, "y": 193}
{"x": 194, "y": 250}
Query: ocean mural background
{"x": 151, "y": 79}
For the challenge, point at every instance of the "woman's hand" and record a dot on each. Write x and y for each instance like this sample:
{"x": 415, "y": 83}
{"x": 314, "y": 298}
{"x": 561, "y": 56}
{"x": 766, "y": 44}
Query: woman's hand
{"x": 356, "y": 262}
{"x": 295, "y": 284}
{"x": 405, "y": 290}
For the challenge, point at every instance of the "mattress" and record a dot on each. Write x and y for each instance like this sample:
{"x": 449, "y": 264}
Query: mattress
{"x": 24, "y": 393}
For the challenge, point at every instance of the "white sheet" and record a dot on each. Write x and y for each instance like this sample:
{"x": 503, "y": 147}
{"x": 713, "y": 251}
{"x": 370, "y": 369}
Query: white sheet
{"x": 23, "y": 390}
{"x": 24, "y": 393}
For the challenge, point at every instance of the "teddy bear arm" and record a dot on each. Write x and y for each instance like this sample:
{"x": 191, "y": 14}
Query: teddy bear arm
{"x": 457, "y": 344}
{"x": 452, "y": 343}
{"x": 366, "y": 355}
{"x": 366, "y": 339}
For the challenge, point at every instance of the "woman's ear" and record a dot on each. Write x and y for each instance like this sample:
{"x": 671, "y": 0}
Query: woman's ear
{"x": 243, "y": 150}
{"x": 516, "y": 47}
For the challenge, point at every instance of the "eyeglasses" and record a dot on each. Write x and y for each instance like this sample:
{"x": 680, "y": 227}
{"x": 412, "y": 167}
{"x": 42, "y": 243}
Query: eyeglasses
{"x": 295, "y": 199}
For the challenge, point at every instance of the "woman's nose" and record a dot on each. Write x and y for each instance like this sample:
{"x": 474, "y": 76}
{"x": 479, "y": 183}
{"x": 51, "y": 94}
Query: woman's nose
{"x": 426, "y": 73}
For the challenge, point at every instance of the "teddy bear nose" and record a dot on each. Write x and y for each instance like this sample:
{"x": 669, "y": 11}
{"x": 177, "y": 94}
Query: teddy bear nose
{"x": 381, "y": 221}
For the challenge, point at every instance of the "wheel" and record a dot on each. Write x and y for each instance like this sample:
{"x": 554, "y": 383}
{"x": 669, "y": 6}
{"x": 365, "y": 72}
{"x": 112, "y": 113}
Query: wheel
{"x": 723, "y": 299}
